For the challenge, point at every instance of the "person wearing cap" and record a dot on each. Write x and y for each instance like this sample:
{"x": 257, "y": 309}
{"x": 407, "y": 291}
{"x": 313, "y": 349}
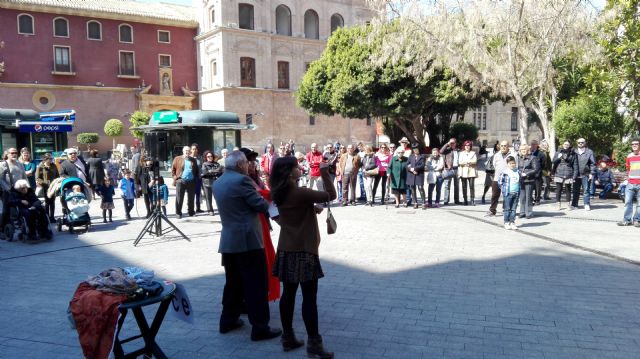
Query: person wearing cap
{"x": 184, "y": 171}
{"x": 450, "y": 154}
{"x": 242, "y": 248}
{"x": 467, "y": 161}
{"x": 45, "y": 174}
{"x": 74, "y": 166}
{"x": 398, "y": 176}
{"x": 415, "y": 174}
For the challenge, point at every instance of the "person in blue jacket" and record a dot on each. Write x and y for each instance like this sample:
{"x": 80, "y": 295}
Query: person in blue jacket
{"x": 162, "y": 193}
{"x": 128, "y": 190}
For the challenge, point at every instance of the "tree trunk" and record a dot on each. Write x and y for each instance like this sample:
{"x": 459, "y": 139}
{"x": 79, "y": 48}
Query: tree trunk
{"x": 523, "y": 131}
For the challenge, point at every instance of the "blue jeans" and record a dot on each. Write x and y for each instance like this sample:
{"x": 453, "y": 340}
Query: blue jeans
{"x": 606, "y": 189}
{"x": 363, "y": 196}
{"x": 510, "y": 206}
{"x": 585, "y": 183}
{"x": 631, "y": 194}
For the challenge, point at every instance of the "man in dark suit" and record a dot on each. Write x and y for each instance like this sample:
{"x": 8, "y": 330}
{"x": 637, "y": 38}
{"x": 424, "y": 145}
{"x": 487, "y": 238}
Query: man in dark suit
{"x": 74, "y": 166}
{"x": 242, "y": 249}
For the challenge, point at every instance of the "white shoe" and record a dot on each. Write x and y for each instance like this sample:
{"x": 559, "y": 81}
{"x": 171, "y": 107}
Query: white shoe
{"x": 513, "y": 226}
{"x": 587, "y": 207}
{"x": 507, "y": 226}
{"x": 571, "y": 208}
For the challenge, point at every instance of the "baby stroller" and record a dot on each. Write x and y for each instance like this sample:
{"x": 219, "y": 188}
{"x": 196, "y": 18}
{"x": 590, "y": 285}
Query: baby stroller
{"x": 70, "y": 219}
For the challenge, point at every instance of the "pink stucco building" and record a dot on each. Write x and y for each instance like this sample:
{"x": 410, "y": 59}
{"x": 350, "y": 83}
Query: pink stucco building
{"x": 104, "y": 59}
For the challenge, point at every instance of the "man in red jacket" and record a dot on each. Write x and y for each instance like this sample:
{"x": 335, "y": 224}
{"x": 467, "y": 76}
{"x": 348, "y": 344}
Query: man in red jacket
{"x": 314, "y": 159}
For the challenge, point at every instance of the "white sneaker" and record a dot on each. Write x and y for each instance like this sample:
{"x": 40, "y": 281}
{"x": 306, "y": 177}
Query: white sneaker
{"x": 571, "y": 208}
{"x": 587, "y": 207}
{"x": 513, "y": 226}
{"x": 507, "y": 226}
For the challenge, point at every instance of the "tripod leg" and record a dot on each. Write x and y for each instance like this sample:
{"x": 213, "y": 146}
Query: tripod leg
{"x": 173, "y": 226}
{"x": 145, "y": 229}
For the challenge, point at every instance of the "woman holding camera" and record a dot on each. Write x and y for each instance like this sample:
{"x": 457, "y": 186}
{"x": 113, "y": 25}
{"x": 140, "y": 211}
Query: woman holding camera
{"x": 297, "y": 261}
{"x": 210, "y": 172}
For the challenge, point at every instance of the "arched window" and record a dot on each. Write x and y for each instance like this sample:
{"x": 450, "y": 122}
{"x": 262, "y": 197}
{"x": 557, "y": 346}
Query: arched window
{"x": 25, "y": 24}
{"x": 126, "y": 33}
{"x": 213, "y": 16}
{"x": 283, "y": 20}
{"x": 60, "y": 27}
{"x": 336, "y": 22}
{"x": 94, "y": 30}
{"x": 245, "y": 16}
{"x": 311, "y": 25}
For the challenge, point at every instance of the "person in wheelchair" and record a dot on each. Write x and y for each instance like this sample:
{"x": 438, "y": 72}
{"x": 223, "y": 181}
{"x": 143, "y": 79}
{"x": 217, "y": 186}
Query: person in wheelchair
{"x": 29, "y": 207}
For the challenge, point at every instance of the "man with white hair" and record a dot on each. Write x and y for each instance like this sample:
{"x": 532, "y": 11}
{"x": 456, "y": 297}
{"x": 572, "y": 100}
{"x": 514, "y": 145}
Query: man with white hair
{"x": 23, "y": 198}
{"x": 74, "y": 165}
{"x": 11, "y": 170}
{"x": 184, "y": 171}
{"x": 242, "y": 249}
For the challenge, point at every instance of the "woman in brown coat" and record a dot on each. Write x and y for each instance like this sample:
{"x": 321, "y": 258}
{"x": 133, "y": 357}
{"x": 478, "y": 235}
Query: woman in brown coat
{"x": 297, "y": 260}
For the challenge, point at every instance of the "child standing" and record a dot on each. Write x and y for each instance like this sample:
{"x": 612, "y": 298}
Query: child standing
{"x": 128, "y": 189}
{"x": 106, "y": 191}
{"x": 509, "y": 182}
{"x": 162, "y": 192}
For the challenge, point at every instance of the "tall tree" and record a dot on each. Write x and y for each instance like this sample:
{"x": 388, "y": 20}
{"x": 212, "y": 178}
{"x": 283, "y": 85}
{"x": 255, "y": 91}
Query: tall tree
{"x": 620, "y": 40}
{"x": 507, "y": 45}
{"x": 345, "y": 81}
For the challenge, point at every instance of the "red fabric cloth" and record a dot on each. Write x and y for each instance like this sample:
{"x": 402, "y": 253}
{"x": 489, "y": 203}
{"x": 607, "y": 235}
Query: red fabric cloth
{"x": 269, "y": 251}
{"x": 96, "y": 316}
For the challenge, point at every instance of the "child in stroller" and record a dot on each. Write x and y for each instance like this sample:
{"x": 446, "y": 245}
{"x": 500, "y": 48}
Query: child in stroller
{"x": 29, "y": 215}
{"x": 77, "y": 202}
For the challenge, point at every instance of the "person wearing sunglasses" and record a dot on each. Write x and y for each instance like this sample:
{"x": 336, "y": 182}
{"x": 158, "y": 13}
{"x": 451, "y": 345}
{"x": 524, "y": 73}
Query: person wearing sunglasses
{"x": 632, "y": 191}
{"x": 11, "y": 170}
{"x": 584, "y": 176}
{"x": 74, "y": 165}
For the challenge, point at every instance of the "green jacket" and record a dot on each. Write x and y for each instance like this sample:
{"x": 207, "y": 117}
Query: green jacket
{"x": 398, "y": 171}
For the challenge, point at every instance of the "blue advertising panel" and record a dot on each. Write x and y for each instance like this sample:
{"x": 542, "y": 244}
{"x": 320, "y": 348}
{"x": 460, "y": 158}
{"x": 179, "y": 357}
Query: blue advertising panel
{"x": 45, "y": 127}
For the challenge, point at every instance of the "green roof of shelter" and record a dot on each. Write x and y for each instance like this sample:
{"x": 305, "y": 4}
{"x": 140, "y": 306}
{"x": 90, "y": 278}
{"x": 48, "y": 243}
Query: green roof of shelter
{"x": 12, "y": 114}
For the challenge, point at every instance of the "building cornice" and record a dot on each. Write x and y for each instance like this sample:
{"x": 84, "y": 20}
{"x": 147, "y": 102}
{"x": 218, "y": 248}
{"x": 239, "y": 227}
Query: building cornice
{"x": 66, "y": 87}
{"x": 259, "y": 34}
{"x": 146, "y": 19}
{"x": 247, "y": 89}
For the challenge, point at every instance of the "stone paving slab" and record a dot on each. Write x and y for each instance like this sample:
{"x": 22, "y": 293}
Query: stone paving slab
{"x": 400, "y": 283}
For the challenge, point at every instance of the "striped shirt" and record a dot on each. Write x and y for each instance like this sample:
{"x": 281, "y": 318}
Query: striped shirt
{"x": 633, "y": 167}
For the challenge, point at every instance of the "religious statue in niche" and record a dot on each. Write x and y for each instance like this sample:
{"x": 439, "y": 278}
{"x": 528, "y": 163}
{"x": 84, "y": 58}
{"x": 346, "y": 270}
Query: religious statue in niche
{"x": 166, "y": 82}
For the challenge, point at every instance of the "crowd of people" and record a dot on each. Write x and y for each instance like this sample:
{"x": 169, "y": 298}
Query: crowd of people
{"x": 431, "y": 180}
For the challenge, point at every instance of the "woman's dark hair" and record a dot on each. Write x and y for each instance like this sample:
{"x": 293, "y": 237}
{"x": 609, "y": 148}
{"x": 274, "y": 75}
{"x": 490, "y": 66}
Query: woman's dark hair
{"x": 279, "y": 178}
{"x": 94, "y": 153}
{"x": 206, "y": 153}
{"x": 160, "y": 180}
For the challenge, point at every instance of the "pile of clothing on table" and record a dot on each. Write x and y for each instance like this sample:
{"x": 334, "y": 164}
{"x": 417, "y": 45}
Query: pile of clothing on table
{"x": 93, "y": 310}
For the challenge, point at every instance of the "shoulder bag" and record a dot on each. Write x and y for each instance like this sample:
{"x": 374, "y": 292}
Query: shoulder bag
{"x": 331, "y": 222}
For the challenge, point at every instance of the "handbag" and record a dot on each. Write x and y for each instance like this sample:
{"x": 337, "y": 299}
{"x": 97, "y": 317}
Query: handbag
{"x": 448, "y": 173}
{"x": 331, "y": 222}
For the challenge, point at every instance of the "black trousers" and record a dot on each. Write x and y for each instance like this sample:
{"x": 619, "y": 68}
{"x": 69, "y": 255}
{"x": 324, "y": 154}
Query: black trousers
{"x": 128, "y": 206}
{"x": 415, "y": 191}
{"x": 495, "y": 197}
{"x": 246, "y": 279}
{"x": 208, "y": 196}
{"x": 468, "y": 182}
{"x": 383, "y": 185}
{"x": 49, "y": 205}
{"x": 147, "y": 203}
{"x": 189, "y": 187}
{"x": 309, "y": 305}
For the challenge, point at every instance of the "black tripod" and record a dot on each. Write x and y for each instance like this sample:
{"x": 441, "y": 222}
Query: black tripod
{"x": 154, "y": 223}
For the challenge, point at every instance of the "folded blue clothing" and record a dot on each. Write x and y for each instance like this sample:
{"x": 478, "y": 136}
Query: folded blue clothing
{"x": 141, "y": 275}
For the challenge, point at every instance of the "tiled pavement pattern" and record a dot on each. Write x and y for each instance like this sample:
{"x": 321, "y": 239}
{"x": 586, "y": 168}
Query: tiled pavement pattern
{"x": 440, "y": 283}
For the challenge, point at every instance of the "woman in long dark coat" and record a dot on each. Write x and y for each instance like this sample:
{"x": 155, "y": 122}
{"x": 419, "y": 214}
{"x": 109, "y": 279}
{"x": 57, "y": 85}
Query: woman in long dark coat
{"x": 415, "y": 175}
{"x": 143, "y": 180}
{"x": 565, "y": 165}
{"x": 96, "y": 171}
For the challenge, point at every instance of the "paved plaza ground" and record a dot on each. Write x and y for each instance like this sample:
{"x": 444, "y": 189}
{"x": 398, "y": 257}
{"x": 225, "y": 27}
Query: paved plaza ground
{"x": 400, "y": 283}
